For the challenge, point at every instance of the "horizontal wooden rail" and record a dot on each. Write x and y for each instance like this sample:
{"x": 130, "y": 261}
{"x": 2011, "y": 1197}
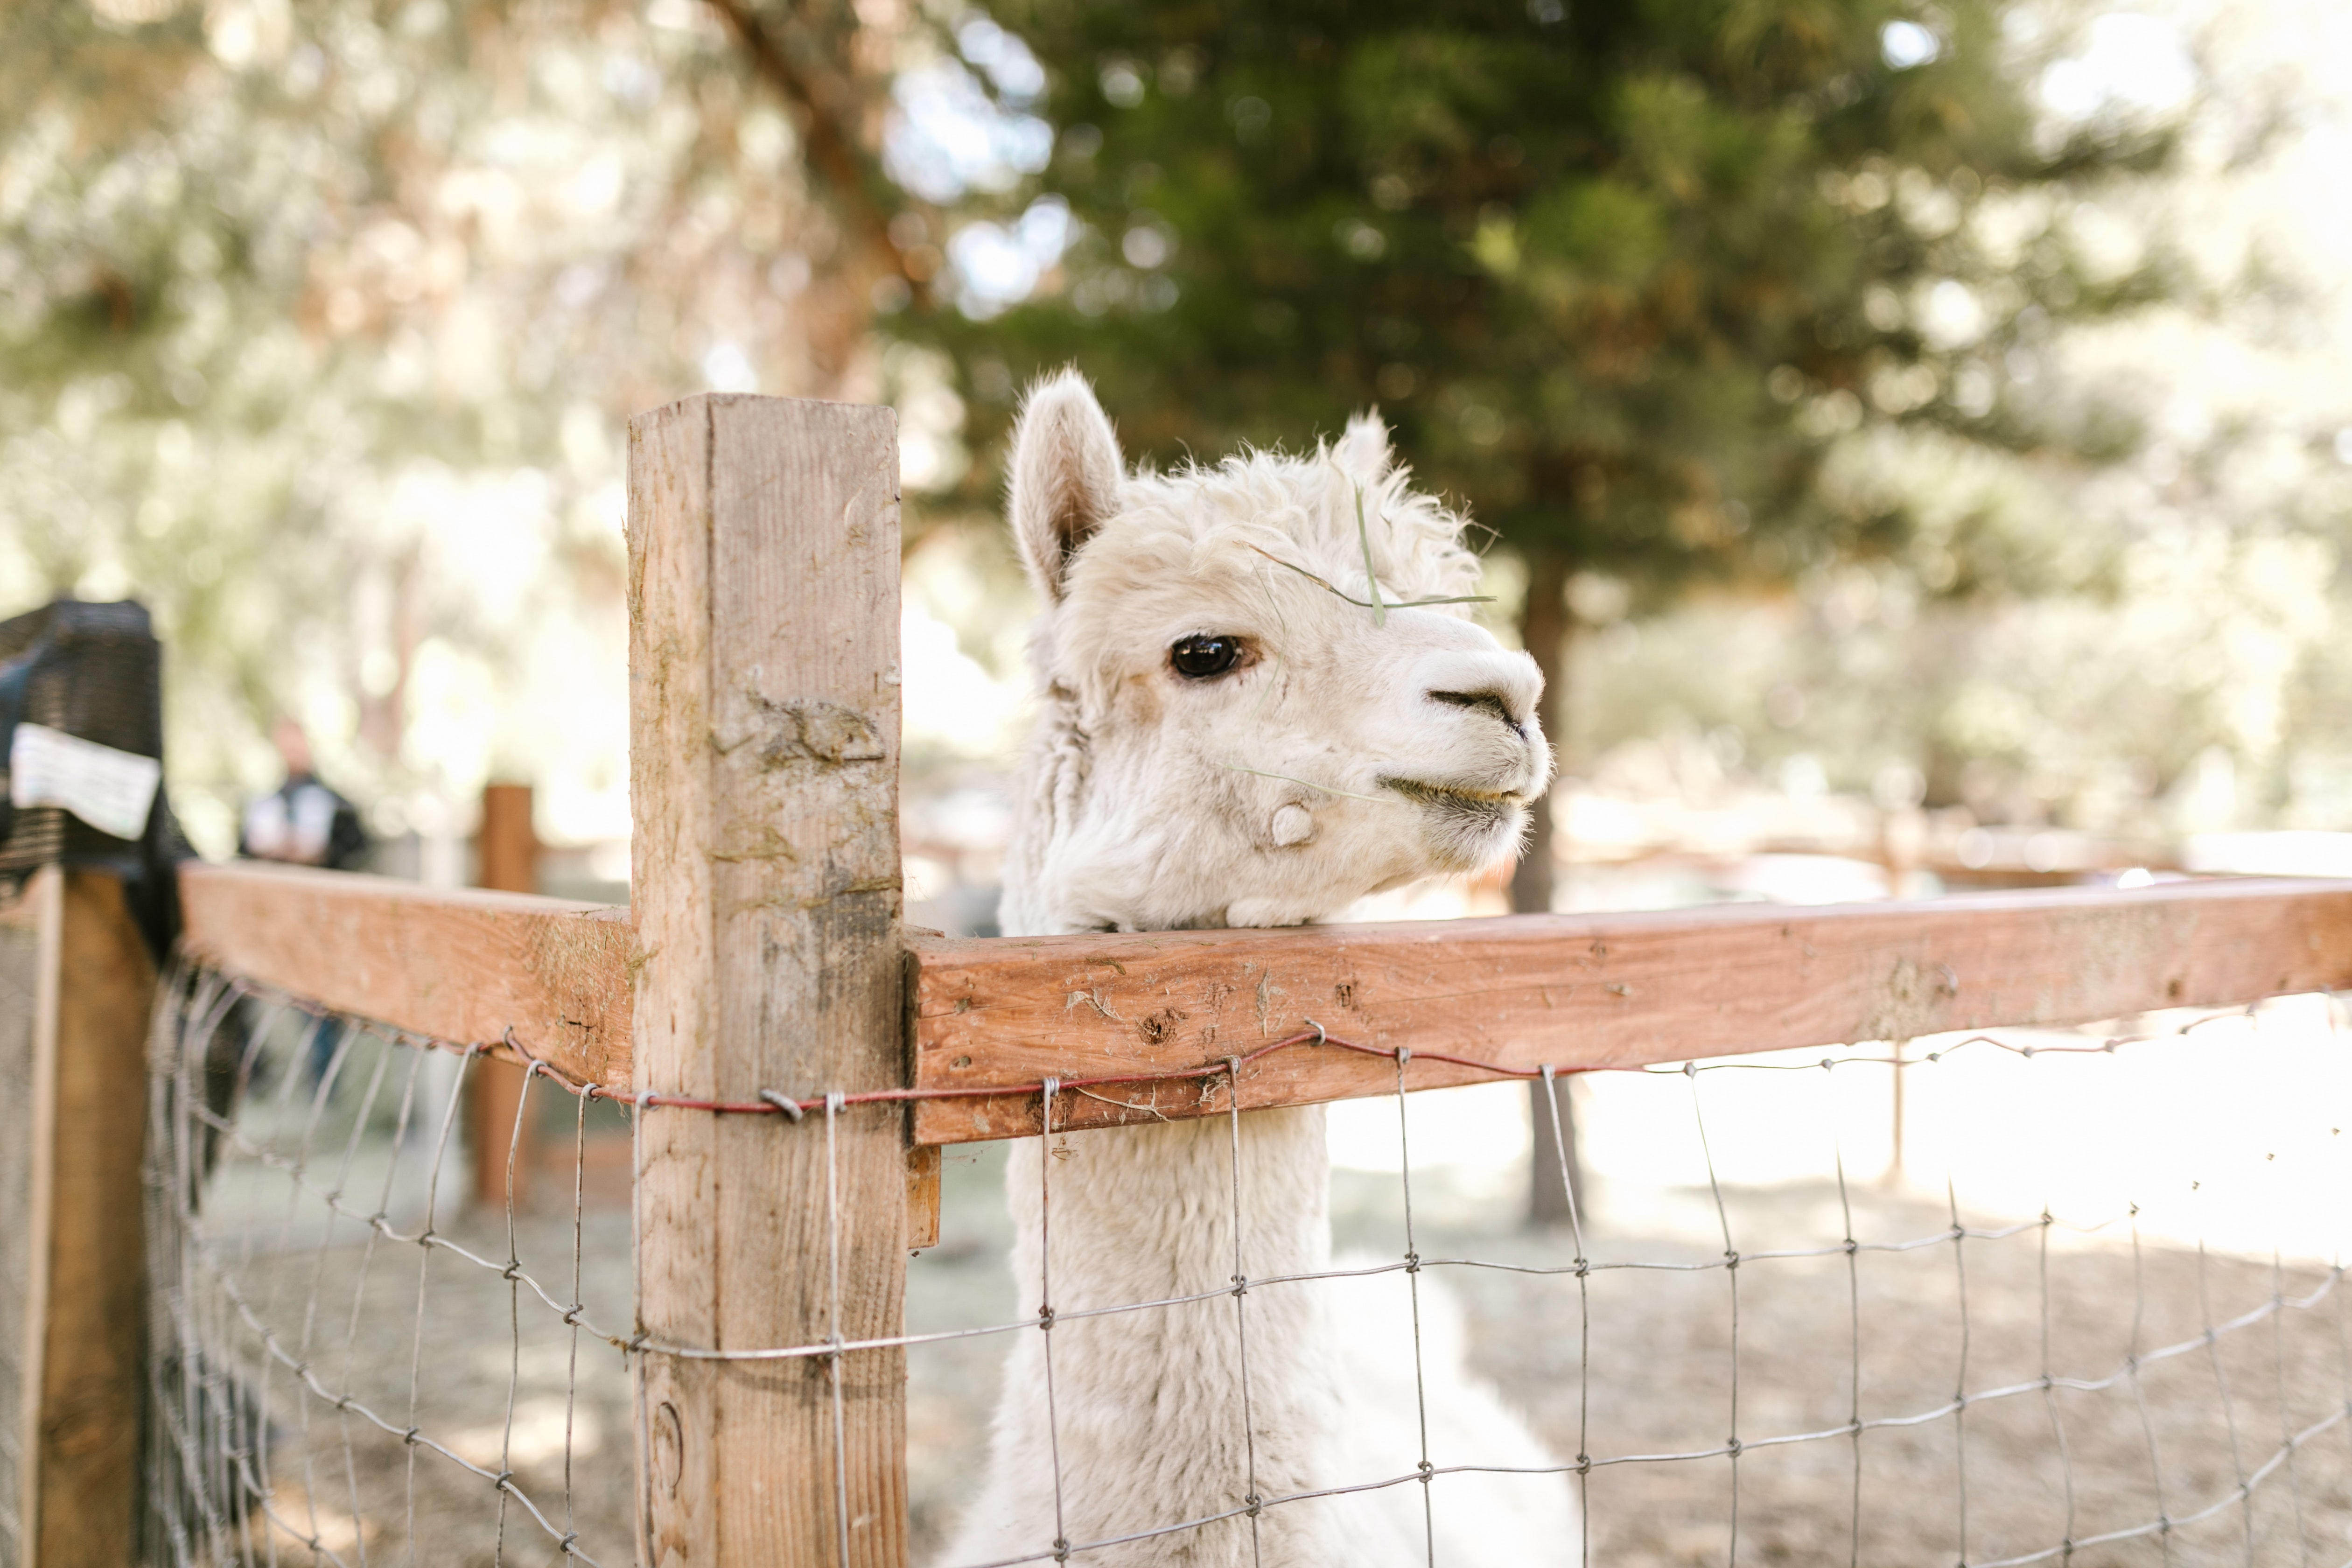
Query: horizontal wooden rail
{"x": 1573, "y": 991}
{"x": 1581, "y": 991}
{"x": 455, "y": 965}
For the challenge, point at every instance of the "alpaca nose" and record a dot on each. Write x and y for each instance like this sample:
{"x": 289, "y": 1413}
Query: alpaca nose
{"x": 1504, "y": 684}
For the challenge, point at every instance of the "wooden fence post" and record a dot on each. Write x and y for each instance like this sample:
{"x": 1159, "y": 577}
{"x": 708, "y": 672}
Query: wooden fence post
{"x": 78, "y": 1300}
{"x": 506, "y": 856}
{"x": 763, "y": 653}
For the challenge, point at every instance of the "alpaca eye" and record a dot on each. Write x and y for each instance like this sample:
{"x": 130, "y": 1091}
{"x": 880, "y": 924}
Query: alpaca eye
{"x": 1202, "y": 657}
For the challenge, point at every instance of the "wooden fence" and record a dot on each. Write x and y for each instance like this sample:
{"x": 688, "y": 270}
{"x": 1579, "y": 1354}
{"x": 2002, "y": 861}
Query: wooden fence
{"x": 764, "y": 951}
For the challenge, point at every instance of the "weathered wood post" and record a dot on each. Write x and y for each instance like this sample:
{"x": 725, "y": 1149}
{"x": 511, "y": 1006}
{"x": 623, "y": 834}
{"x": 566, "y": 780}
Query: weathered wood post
{"x": 506, "y": 860}
{"x": 763, "y": 653}
{"x": 75, "y": 1298}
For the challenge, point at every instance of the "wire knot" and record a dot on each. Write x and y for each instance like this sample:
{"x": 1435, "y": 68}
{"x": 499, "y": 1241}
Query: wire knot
{"x": 1733, "y": 1447}
{"x": 1046, "y": 1315}
{"x": 513, "y": 1267}
{"x": 410, "y": 1436}
{"x": 1254, "y": 1503}
{"x": 1413, "y": 1263}
{"x": 1061, "y": 1549}
{"x": 783, "y": 1102}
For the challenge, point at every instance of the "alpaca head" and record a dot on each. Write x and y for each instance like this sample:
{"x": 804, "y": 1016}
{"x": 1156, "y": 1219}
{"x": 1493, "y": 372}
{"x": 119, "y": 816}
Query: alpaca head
{"x": 1254, "y": 713}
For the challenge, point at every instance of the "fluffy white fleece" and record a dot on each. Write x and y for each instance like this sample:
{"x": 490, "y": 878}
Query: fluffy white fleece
{"x": 1349, "y": 750}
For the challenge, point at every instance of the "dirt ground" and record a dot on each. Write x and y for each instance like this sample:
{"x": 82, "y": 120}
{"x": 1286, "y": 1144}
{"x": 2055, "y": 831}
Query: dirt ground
{"x": 368, "y": 1496}
{"x": 1991, "y": 1482}
{"x": 2008, "y": 1476}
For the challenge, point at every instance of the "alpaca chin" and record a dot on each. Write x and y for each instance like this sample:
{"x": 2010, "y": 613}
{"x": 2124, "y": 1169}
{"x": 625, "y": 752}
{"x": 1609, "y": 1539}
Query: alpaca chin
{"x": 1465, "y": 831}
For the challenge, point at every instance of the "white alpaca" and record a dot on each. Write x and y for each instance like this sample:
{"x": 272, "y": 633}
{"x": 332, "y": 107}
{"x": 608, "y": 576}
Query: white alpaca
{"x": 1228, "y": 741}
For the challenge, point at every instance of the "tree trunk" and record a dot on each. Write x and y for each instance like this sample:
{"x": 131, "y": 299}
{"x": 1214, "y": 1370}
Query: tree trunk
{"x": 1543, "y": 631}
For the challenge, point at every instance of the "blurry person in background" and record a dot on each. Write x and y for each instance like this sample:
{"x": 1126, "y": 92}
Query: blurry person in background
{"x": 304, "y": 822}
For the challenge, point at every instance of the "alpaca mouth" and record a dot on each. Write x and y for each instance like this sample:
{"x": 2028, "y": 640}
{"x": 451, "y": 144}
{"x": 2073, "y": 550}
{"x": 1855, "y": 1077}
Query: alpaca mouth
{"x": 1455, "y": 796}
{"x": 1462, "y": 828}
{"x": 1461, "y": 806}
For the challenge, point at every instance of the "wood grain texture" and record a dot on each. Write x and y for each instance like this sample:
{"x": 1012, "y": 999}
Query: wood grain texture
{"x": 1582, "y": 991}
{"x": 763, "y": 608}
{"x": 20, "y": 989}
{"x": 458, "y": 964}
{"x": 498, "y": 1136}
{"x": 93, "y": 1368}
{"x": 39, "y": 912}
{"x": 922, "y": 1197}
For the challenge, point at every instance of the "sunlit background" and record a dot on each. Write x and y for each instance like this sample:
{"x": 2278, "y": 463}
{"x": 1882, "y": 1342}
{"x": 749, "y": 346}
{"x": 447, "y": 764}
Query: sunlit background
{"x": 320, "y": 324}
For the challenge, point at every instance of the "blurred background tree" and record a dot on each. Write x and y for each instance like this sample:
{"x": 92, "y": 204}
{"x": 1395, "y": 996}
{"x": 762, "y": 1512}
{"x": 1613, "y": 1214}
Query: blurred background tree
{"x": 1619, "y": 275}
{"x": 318, "y": 324}
{"x": 1875, "y": 403}
{"x": 1941, "y": 400}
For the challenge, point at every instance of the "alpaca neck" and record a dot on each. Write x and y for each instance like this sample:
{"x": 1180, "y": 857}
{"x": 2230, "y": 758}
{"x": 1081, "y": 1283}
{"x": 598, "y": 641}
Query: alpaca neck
{"x": 1151, "y": 1213}
{"x": 1137, "y": 1215}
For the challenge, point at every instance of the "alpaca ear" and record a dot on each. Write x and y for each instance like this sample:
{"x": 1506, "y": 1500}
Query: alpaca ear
{"x": 1363, "y": 453}
{"x": 1066, "y": 474}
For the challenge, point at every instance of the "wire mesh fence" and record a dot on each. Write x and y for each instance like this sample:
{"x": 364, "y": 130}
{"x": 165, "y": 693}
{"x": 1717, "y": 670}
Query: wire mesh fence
{"x": 2061, "y": 1296}
{"x": 2073, "y": 1296}
{"x": 350, "y": 1364}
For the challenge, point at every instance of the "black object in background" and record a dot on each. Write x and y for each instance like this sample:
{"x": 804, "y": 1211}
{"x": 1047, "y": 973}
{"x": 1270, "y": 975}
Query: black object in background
{"x": 93, "y": 671}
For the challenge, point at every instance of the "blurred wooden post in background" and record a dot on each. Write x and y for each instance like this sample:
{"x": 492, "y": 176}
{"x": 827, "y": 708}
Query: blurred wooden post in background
{"x": 79, "y": 1324}
{"x": 763, "y": 767}
{"x": 508, "y": 851}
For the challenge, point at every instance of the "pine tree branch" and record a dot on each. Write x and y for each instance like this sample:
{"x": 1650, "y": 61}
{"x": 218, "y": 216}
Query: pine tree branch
{"x": 827, "y": 109}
